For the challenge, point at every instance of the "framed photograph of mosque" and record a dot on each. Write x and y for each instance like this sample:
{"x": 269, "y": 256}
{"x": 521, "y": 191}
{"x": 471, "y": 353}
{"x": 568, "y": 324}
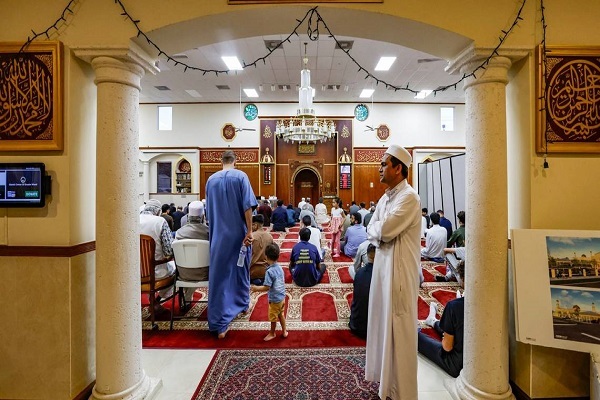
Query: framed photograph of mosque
{"x": 31, "y": 96}
{"x": 568, "y": 100}
{"x": 556, "y": 282}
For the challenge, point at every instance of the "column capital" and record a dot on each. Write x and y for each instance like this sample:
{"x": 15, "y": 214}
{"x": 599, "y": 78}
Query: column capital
{"x": 495, "y": 71}
{"x": 120, "y": 64}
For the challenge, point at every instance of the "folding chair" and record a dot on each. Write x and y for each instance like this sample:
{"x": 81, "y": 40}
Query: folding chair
{"x": 189, "y": 253}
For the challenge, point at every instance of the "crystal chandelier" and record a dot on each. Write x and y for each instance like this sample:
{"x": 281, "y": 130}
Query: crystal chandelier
{"x": 305, "y": 126}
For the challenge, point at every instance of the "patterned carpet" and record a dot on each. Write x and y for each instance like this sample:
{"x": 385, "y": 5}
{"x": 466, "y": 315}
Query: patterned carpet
{"x": 316, "y": 316}
{"x": 297, "y": 374}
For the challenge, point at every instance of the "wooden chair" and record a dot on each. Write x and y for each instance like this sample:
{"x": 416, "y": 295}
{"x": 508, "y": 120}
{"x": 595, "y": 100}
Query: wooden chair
{"x": 149, "y": 283}
{"x": 189, "y": 253}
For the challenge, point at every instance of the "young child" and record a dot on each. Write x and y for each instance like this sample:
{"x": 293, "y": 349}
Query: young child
{"x": 275, "y": 285}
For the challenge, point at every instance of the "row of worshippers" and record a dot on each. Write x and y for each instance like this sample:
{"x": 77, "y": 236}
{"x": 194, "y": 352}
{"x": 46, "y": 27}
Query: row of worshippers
{"x": 153, "y": 224}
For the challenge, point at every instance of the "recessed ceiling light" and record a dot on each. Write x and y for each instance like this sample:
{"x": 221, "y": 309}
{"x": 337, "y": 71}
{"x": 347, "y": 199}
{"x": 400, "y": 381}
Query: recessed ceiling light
{"x": 385, "y": 63}
{"x": 422, "y": 94}
{"x": 367, "y": 93}
{"x": 233, "y": 64}
{"x": 251, "y": 92}
{"x": 193, "y": 93}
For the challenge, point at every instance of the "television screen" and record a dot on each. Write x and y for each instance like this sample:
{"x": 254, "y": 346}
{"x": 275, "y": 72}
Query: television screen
{"x": 21, "y": 185}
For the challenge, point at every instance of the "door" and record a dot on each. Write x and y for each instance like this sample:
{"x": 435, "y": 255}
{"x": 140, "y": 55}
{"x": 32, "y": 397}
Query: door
{"x": 306, "y": 185}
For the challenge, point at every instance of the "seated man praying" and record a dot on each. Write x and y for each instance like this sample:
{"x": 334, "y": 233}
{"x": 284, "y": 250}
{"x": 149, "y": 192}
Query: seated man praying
{"x": 305, "y": 261}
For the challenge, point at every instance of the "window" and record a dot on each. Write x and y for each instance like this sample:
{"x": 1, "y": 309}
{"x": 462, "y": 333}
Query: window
{"x": 163, "y": 177}
{"x": 165, "y": 118}
{"x": 447, "y": 118}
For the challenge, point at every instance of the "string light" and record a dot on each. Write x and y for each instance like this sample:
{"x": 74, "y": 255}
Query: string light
{"x": 314, "y": 22}
{"x": 545, "y": 80}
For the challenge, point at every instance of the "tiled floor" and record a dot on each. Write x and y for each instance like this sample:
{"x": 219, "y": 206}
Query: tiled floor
{"x": 181, "y": 371}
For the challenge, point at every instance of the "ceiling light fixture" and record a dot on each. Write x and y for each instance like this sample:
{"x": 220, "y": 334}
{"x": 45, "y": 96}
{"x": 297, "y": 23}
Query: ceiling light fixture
{"x": 422, "y": 94}
{"x": 251, "y": 92}
{"x": 385, "y": 63}
{"x": 366, "y": 93}
{"x": 272, "y": 88}
{"x": 305, "y": 126}
{"x": 193, "y": 93}
{"x": 232, "y": 63}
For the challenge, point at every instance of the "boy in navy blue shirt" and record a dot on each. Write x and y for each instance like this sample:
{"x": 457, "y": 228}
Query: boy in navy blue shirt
{"x": 274, "y": 284}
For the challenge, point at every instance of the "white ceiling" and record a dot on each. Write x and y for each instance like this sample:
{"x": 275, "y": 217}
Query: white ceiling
{"x": 329, "y": 66}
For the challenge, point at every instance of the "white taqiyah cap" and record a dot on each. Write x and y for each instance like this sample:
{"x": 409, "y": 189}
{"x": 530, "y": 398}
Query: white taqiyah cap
{"x": 196, "y": 209}
{"x": 400, "y": 153}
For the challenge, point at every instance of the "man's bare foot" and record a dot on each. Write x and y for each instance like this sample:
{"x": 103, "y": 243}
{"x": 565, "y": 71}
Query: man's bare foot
{"x": 285, "y": 334}
{"x": 270, "y": 336}
{"x": 223, "y": 334}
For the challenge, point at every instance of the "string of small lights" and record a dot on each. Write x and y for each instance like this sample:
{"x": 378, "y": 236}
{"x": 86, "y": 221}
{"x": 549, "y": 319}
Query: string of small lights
{"x": 63, "y": 18}
{"x": 545, "y": 80}
{"x": 314, "y": 20}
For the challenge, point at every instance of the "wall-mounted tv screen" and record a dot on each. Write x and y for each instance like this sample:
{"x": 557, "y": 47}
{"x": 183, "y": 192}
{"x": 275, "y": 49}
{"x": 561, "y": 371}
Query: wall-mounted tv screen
{"x": 21, "y": 185}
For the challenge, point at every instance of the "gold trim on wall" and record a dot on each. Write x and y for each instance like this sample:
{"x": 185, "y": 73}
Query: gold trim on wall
{"x": 238, "y": 2}
{"x": 31, "y": 96}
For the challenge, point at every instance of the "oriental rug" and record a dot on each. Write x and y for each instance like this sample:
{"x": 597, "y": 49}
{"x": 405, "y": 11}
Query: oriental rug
{"x": 316, "y": 317}
{"x": 300, "y": 374}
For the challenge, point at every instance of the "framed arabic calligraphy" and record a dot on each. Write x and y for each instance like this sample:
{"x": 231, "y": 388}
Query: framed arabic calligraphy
{"x": 31, "y": 106}
{"x": 570, "y": 122}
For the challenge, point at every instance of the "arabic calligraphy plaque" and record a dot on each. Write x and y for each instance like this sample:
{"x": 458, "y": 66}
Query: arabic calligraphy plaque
{"x": 570, "y": 122}
{"x": 30, "y": 97}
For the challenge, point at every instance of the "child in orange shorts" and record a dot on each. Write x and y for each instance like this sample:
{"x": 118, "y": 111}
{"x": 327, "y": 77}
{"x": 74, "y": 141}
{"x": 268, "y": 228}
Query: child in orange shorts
{"x": 274, "y": 284}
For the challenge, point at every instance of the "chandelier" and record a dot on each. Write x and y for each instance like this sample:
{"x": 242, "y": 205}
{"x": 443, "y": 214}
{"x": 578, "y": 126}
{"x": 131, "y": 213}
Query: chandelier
{"x": 305, "y": 126}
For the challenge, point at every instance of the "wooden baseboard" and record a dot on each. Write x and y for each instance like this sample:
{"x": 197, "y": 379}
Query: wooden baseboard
{"x": 85, "y": 393}
{"x": 521, "y": 395}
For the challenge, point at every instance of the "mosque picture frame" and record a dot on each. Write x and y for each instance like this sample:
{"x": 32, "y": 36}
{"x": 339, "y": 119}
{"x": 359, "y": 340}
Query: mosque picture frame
{"x": 568, "y": 121}
{"x": 32, "y": 77}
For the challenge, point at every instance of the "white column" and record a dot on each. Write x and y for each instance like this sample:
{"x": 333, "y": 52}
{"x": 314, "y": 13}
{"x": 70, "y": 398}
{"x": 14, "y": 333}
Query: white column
{"x": 146, "y": 179}
{"x": 119, "y": 373}
{"x": 485, "y": 353}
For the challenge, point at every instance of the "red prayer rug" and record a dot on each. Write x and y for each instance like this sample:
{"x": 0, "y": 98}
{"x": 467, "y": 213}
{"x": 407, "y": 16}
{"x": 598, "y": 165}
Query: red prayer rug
{"x": 316, "y": 317}
{"x": 287, "y": 374}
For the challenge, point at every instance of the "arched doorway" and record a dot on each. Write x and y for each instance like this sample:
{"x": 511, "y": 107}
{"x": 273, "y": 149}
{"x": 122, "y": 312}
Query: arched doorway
{"x": 306, "y": 184}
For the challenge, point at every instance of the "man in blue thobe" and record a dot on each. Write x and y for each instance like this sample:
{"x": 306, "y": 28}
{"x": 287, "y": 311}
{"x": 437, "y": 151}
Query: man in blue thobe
{"x": 229, "y": 204}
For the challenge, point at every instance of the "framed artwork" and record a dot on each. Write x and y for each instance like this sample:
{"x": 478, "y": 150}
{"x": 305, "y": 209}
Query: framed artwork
{"x": 570, "y": 120}
{"x": 383, "y": 132}
{"x": 306, "y": 148}
{"x": 31, "y": 96}
{"x": 228, "y": 132}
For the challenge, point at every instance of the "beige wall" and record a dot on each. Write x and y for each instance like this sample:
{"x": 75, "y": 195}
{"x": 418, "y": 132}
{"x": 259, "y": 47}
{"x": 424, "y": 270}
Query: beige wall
{"x": 557, "y": 197}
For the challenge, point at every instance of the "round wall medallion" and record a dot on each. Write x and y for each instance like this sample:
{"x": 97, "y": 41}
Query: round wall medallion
{"x": 383, "y": 132}
{"x": 250, "y": 112}
{"x": 361, "y": 112}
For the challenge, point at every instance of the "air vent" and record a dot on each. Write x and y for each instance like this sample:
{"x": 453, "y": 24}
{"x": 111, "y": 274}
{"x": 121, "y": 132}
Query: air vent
{"x": 223, "y": 87}
{"x": 428, "y": 60}
{"x": 162, "y": 87}
{"x": 272, "y": 45}
{"x": 335, "y": 88}
{"x": 344, "y": 45}
{"x": 180, "y": 56}
{"x": 284, "y": 87}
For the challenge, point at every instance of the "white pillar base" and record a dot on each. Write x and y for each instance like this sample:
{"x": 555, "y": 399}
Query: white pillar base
{"x": 146, "y": 389}
{"x": 460, "y": 389}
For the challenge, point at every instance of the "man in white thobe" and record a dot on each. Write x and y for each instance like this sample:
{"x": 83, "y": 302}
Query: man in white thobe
{"x": 395, "y": 229}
